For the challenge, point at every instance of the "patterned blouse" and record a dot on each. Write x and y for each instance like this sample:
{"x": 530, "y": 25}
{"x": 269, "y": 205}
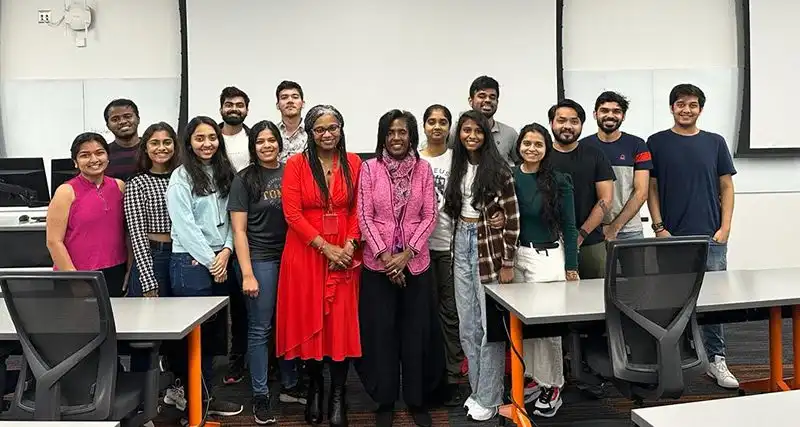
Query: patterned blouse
{"x": 146, "y": 212}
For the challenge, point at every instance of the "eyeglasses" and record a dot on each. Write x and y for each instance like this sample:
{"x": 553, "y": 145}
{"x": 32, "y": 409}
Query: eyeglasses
{"x": 319, "y": 131}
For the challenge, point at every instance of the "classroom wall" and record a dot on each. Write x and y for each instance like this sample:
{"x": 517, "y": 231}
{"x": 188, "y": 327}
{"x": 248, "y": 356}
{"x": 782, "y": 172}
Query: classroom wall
{"x": 643, "y": 49}
{"x": 51, "y": 90}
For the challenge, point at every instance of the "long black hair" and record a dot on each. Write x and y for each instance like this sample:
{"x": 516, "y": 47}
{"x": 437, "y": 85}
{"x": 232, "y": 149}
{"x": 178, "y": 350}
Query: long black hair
{"x": 545, "y": 178}
{"x": 143, "y": 161}
{"x": 252, "y": 179}
{"x": 490, "y": 176}
{"x": 385, "y": 122}
{"x": 313, "y": 159}
{"x": 220, "y": 164}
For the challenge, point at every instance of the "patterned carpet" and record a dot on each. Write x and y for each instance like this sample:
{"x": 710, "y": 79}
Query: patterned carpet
{"x": 747, "y": 358}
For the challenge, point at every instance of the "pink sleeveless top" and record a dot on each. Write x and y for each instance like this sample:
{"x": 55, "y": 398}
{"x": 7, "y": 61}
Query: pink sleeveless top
{"x": 95, "y": 237}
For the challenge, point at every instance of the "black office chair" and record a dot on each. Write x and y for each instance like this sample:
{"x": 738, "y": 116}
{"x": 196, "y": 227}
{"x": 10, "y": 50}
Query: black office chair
{"x": 66, "y": 328}
{"x": 653, "y": 345}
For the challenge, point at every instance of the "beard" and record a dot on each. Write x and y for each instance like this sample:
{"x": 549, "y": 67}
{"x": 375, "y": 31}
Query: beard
{"x": 561, "y": 139}
{"x": 602, "y": 125}
{"x": 233, "y": 119}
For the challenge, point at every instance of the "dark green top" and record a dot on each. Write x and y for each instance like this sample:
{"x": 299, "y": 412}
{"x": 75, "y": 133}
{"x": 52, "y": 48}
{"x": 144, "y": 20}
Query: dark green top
{"x": 533, "y": 227}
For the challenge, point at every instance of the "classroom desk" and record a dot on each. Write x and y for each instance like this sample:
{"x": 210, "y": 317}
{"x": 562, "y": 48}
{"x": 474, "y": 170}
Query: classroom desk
{"x": 584, "y": 301}
{"x": 157, "y": 319}
{"x": 59, "y": 424}
{"x": 768, "y": 409}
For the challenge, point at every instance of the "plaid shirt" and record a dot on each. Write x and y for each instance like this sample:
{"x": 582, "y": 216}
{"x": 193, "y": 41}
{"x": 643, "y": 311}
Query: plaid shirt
{"x": 498, "y": 247}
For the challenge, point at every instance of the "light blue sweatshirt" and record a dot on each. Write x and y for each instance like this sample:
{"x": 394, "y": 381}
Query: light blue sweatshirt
{"x": 200, "y": 225}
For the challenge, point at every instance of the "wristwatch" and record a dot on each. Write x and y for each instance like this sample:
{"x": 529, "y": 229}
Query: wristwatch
{"x": 583, "y": 233}
{"x": 658, "y": 226}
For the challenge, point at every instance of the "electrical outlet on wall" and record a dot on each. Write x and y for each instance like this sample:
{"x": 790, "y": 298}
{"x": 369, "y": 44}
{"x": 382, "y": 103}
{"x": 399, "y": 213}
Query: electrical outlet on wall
{"x": 44, "y": 16}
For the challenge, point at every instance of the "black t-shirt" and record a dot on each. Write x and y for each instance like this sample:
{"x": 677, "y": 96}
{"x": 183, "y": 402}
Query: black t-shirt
{"x": 586, "y": 165}
{"x": 266, "y": 225}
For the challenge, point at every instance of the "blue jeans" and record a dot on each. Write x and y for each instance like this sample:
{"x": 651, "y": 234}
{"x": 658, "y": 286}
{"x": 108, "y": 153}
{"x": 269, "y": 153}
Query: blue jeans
{"x": 714, "y": 335}
{"x": 189, "y": 279}
{"x": 486, "y": 359}
{"x": 161, "y": 253}
{"x": 260, "y": 311}
{"x": 626, "y": 235}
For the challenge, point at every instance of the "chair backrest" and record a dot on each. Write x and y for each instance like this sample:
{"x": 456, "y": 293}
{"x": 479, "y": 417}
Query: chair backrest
{"x": 651, "y": 291}
{"x": 65, "y": 326}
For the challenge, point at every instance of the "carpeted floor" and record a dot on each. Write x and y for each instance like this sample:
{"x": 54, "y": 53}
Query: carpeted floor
{"x": 747, "y": 358}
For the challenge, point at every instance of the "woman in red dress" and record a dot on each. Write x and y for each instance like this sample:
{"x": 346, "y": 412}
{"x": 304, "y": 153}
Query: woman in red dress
{"x": 317, "y": 307}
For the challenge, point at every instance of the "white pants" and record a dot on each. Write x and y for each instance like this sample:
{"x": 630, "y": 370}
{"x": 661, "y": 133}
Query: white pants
{"x": 544, "y": 361}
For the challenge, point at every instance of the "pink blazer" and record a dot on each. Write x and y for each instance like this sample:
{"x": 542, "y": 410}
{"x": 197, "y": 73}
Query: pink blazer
{"x": 376, "y": 216}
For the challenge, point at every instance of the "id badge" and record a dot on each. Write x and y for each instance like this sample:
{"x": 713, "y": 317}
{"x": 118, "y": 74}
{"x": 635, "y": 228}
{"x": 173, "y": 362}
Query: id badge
{"x": 330, "y": 224}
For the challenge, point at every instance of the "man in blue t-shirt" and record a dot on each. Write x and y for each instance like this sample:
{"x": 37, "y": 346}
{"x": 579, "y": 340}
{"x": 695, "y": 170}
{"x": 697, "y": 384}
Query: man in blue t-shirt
{"x": 691, "y": 193}
{"x": 631, "y": 162}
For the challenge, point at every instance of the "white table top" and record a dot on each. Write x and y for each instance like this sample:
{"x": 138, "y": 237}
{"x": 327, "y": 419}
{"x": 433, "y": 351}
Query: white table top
{"x": 768, "y": 409}
{"x": 59, "y": 423}
{"x": 146, "y": 319}
{"x": 566, "y": 302}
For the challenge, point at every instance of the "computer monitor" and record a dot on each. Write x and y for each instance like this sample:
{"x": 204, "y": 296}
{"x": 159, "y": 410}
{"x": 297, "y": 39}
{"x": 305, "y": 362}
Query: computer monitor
{"x": 23, "y": 182}
{"x": 61, "y": 171}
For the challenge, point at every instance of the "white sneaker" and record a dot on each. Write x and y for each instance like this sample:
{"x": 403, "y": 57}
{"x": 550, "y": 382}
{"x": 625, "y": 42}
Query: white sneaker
{"x": 469, "y": 403}
{"x": 718, "y": 370}
{"x": 548, "y": 402}
{"x": 479, "y": 413}
{"x": 174, "y": 396}
{"x": 532, "y": 390}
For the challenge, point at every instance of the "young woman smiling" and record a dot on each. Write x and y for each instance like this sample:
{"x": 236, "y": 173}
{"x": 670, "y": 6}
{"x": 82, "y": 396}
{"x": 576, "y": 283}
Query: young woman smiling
{"x": 480, "y": 185}
{"x": 259, "y": 234}
{"x": 548, "y": 252}
{"x": 202, "y": 241}
{"x": 85, "y": 219}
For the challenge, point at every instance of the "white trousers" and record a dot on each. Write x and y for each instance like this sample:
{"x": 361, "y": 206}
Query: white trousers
{"x": 544, "y": 361}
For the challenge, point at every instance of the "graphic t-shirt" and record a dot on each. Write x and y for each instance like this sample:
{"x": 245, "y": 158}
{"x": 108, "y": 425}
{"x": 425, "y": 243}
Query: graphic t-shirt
{"x": 627, "y": 155}
{"x": 266, "y": 225}
{"x": 443, "y": 233}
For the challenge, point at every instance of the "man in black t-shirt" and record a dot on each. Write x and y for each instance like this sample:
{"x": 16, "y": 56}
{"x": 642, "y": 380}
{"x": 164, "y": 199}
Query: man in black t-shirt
{"x": 592, "y": 178}
{"x": 122, "y": 119}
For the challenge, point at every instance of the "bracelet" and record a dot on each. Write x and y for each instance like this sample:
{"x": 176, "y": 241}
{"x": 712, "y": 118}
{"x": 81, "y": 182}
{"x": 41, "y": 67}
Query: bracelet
{"x": 321, "y": 247}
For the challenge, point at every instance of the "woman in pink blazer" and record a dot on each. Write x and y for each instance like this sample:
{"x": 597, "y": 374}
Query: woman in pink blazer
{"x": 397, "y": 214}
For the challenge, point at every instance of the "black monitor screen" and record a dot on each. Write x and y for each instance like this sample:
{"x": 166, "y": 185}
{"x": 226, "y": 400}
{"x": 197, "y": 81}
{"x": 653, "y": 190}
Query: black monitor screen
{"x": 61, "y": 171}
{"x": 23, "y": 181}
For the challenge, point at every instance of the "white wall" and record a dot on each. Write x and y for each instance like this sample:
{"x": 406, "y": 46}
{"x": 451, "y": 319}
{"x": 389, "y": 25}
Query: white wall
{"x": 643, "y": 49}
{"x": 366, "y": 57}
{"x": 52, "y": 90}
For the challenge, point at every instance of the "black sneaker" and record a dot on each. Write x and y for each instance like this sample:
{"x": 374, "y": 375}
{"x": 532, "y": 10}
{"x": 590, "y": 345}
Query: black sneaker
{"x": 223, "y": 408}
{"x": 235, "y": 372}
{"x": 421, "y": 416}
{"x": 296, "y": 394}
{"x": 454, "y": 397}
{"x": 262, "y": 413}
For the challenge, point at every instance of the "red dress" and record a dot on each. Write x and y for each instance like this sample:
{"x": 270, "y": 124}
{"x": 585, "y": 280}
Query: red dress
{"x": 317, "y": 309}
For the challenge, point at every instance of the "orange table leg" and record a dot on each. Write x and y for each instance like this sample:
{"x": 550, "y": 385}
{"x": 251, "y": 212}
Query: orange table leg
{"x": 775, "y": 382}
{"x": 196, "y": 381}
{"x": 513, "y": 411}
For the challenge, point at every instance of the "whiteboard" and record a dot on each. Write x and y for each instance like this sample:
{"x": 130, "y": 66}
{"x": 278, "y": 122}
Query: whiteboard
{"x": 366, "y": 57}
{"x": 774, "y": 61}
{"x": 41, "y": 117}
{"x": 648, "y": 92}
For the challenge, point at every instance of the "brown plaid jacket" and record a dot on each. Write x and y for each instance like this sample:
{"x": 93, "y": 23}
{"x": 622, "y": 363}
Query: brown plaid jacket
{"x": 498, "y": 247}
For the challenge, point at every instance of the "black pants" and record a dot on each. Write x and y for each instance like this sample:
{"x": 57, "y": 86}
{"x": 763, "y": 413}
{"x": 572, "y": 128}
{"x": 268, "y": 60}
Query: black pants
{"x": 399, "y": 330}
{"x": 115, "y": 279}
{"x": 445, "y": 298}
{"x": 238, "y": 313}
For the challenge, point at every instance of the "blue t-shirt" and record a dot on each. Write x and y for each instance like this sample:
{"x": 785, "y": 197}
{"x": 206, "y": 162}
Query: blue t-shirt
{"x": 627, "y": 155}
{"x": 687, "y": 169}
